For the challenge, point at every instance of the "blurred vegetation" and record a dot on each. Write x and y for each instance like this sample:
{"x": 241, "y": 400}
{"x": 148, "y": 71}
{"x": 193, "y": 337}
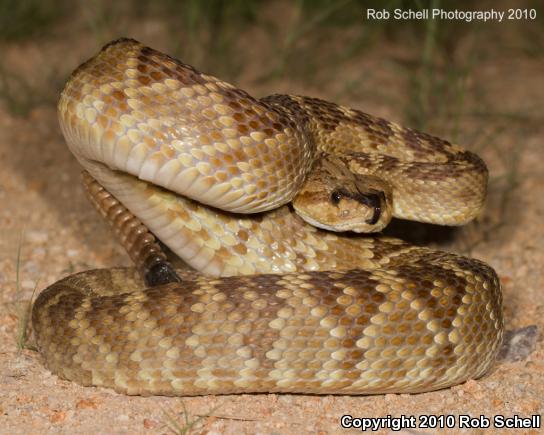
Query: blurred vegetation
{"x": 214, "y": 35}
{"x": 23, "y": 19}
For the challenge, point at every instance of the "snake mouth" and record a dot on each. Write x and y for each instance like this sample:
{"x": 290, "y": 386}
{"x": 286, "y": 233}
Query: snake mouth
{"x": 373, "y": 200}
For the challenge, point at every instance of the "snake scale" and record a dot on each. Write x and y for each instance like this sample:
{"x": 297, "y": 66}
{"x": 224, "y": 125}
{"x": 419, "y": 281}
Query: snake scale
{"x": 186, "y": 166}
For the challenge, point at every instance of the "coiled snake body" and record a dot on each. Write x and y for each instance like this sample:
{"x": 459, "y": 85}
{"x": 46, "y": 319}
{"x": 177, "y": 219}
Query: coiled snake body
{"x": 277, "y": 305}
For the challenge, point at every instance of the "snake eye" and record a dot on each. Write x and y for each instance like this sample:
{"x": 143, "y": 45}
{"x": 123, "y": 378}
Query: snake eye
{"x": 336, "y": 197}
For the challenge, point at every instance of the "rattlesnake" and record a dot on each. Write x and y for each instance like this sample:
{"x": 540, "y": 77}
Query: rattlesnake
{"x": 277, "y": 305}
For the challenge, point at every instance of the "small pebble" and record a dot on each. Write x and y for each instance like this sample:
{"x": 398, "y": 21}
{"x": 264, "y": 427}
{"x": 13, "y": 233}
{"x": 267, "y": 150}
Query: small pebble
{"x": 28, "y": 284}
{"x": 390, "y": 397}
{"x": 30, "y": 267}
{"x": 38, "y": 252}
{"x": 518, "y": 344}
{"x": 37, "y": 236}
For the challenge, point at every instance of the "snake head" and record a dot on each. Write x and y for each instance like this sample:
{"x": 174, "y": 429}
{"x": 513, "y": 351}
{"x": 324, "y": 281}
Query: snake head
{"x": 335, "y": 199}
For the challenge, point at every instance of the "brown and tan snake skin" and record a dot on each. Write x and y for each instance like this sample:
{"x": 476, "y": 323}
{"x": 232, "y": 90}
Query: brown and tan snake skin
{"x": 277, "y": 305}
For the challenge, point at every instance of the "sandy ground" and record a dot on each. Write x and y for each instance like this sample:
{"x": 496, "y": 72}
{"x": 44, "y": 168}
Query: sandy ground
{"x": 43, "y": 210}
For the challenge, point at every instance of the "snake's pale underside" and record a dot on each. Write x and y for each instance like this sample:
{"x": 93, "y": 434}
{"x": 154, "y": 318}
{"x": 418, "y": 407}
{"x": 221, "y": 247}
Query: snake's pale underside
{"x": 186, "y": 166}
